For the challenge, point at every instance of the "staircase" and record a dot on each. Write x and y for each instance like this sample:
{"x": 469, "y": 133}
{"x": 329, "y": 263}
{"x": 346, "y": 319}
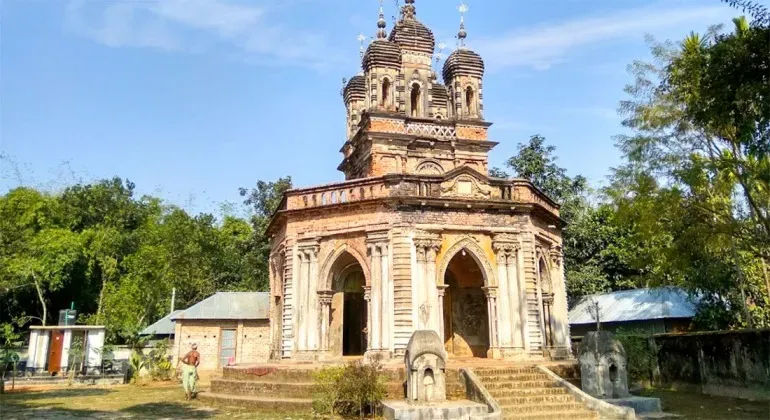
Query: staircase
{"x": 527, "y": 393}
{"x": 290, "y": 390}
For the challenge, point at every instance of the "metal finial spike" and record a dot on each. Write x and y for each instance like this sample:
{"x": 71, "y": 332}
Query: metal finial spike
{"x": 462, "y": 34}
{"x": 361, "y": 38}
{"x": 381, "y": 24}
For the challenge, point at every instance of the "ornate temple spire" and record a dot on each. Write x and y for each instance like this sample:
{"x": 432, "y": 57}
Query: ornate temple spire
{"x": 381, "y": 24}
{"x": 408, "y": 11}
{"x": 462, "y": 34}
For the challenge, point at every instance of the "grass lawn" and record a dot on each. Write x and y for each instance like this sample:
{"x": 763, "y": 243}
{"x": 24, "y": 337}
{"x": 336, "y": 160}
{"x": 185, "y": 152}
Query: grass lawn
{"x": 695, "y": 406}
{"x": 122, "y": 402}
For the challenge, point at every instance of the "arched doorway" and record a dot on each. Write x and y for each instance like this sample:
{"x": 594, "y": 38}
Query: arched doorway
{"x": 348, "y": 314}
{"x": 466, "y": 321}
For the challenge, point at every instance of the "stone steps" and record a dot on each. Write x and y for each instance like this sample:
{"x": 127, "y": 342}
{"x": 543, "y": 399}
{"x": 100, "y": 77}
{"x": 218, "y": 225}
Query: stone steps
{"x": 520, "y": 385}
{"x": 269, "y": 403}
{"x": 557, "y": 415}
{"x": 253, "y": 388}
{"x": 512, "y": 378}
{"x": 531, "y": 392}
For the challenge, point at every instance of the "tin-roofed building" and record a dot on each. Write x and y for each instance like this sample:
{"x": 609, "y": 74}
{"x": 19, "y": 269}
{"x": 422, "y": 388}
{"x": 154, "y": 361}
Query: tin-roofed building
{"x": 228, "y": 327}
{"x": 162, "y": 328}
{"x": 655, "y": 310}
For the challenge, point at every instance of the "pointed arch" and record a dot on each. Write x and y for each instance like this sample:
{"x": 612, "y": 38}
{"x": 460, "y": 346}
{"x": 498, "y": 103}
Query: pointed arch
{"x": 327, "y": 273}
{"x": 476, "y": 253}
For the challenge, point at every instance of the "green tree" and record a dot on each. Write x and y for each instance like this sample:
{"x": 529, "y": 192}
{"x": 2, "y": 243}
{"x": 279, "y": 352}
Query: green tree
{"x": 694, "y": 190}
{"x": 264, "y": 199}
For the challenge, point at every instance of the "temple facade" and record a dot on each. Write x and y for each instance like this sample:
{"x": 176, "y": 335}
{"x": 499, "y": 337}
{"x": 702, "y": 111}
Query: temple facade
{"x": 418, "y": 236}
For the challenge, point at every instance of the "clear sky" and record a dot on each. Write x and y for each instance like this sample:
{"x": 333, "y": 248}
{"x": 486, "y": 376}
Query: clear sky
{"x": 191, "y": 99}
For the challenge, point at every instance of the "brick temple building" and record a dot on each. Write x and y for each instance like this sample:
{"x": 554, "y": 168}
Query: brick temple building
{"x": 418, "y": 236}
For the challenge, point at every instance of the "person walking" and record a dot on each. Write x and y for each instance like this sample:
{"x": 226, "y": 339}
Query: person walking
{"x": 191, "y": 360}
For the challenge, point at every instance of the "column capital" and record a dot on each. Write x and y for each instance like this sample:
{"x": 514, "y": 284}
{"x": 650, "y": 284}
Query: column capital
{"x": 442, "y": 289}
{"x": 557, "y": 255}
{"x": 310, "y": 249}
{"x": 325, "y": 296}
{"x": 505, "y": 251}
{"x": 490, "y": 291}
{"x": 368, "y": 293}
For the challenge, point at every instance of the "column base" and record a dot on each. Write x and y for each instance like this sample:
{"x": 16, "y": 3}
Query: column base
{"x": 305, "y": 355}
{"x": 559, "y": 353}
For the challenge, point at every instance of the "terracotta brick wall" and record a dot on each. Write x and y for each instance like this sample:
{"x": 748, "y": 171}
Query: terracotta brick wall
{"x": 252, "y": 340}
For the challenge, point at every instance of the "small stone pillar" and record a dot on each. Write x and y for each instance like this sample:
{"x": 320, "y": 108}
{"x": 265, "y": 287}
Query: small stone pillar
{"x": 425, "y": 360}
{"x": 603, "y": 366}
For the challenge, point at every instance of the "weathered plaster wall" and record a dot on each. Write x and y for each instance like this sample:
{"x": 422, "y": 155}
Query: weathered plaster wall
{"x": 734, "y": 363}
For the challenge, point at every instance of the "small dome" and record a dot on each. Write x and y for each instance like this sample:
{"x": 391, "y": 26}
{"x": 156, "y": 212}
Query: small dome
{"x": 382, "y": 53}
{"x": 412, "y": 35}
{"x": 463, "y": 62}
{"x": 355, "y": 90}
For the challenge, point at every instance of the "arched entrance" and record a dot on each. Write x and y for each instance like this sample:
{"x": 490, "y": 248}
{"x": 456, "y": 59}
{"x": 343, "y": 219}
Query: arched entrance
{"x": 466, "y": 321}
{"x": 348, "y": 314}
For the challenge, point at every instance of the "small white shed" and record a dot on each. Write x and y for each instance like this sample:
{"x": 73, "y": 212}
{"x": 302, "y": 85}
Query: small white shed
{"x": 49, "y": 347}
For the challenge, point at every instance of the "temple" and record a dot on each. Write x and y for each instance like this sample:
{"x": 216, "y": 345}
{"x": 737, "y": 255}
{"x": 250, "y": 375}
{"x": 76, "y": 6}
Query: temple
{"x": 418, "y": 236}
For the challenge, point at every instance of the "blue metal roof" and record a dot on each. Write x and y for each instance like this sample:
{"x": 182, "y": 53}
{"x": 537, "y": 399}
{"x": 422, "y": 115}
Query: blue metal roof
{"x": 163, "y": 326}
{"x": 635, "y": 305}
{"x": 229, "y": 305}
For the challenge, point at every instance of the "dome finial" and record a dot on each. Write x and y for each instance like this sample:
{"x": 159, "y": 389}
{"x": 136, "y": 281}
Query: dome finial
{"x": 462, "y": 34}
{"x": 408, "y": 11}
{"x": 381, "y": 24}
{"x": 361, "y": 38}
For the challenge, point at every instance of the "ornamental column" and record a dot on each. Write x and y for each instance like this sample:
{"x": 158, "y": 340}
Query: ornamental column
{"x": 441, "y": 290}
{"x": 510, "y": 318}
{"x": 491, "y": 293}
{"x": 428, "y": 304}
{"x": 560, "y": 311}
{"x": 325, "y": 300}
{"x": 368, "y": 300}
{"x": 381, "y": 301}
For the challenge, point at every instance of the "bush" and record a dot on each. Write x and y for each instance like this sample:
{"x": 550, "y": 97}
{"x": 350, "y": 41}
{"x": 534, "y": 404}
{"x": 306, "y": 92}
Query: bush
{"x": 327, "y": 393}
{"x": 356, "y": 389}
{"x": 641, "y": 354}
{"x": 159, "y": 363}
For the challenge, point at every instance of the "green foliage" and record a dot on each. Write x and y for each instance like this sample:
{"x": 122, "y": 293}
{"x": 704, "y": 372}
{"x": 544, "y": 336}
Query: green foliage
{"x": 76, "y": 353}
{"x": 159, "y": 363}
{"x": 355, "y": 389}
{"x": 327, "y": 391}
{"x": 695, "y": 191}
{"x": 136, "y": 362}
{"x": 641, "y": 353}
{"x": 118, "y": 256}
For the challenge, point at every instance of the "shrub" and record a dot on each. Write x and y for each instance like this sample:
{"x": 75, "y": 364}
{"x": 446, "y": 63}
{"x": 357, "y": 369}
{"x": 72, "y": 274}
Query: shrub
{"x": 136, "y": 363}
{"x": 641, "y": 354}
{"x": 355, "y": 389}
{"x": 159, "y": 363}
{"x": 327, "y": 394}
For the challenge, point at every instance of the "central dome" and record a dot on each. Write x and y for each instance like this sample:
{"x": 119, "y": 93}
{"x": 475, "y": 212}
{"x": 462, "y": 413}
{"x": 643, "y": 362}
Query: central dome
{"x": 410, "y": 34}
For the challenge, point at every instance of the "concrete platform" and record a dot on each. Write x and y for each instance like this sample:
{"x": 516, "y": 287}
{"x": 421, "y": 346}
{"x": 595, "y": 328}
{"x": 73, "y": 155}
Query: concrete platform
{"x": 641, "y": 405}
{"x": 402, "y": 410}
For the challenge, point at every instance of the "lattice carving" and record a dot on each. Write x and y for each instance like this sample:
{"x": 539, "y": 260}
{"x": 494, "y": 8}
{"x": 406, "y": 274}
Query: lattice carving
{"x": 431, "y": 130}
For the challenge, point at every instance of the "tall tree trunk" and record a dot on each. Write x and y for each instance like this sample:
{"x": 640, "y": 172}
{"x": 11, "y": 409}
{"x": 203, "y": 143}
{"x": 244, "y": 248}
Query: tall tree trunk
{"x": 767, "y": 277}
{"x": 42, "y": 300}
{"x": 101, "y": 299}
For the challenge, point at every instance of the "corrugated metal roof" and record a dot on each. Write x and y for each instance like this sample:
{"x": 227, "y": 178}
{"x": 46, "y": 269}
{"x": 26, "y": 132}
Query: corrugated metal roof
{"x": 229, "y": 305}
{"x": 635, "y": 305}
{"x": 163, "y": 326}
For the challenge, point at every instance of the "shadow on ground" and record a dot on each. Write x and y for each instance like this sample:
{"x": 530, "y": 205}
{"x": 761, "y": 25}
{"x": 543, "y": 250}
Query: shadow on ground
{"x": 33, "y": 404}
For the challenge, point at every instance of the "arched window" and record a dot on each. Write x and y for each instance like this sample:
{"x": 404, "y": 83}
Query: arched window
{"x": 385, "y": 93}
{"x": 470, "y": 101}
{"x": 416, "y": 100}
